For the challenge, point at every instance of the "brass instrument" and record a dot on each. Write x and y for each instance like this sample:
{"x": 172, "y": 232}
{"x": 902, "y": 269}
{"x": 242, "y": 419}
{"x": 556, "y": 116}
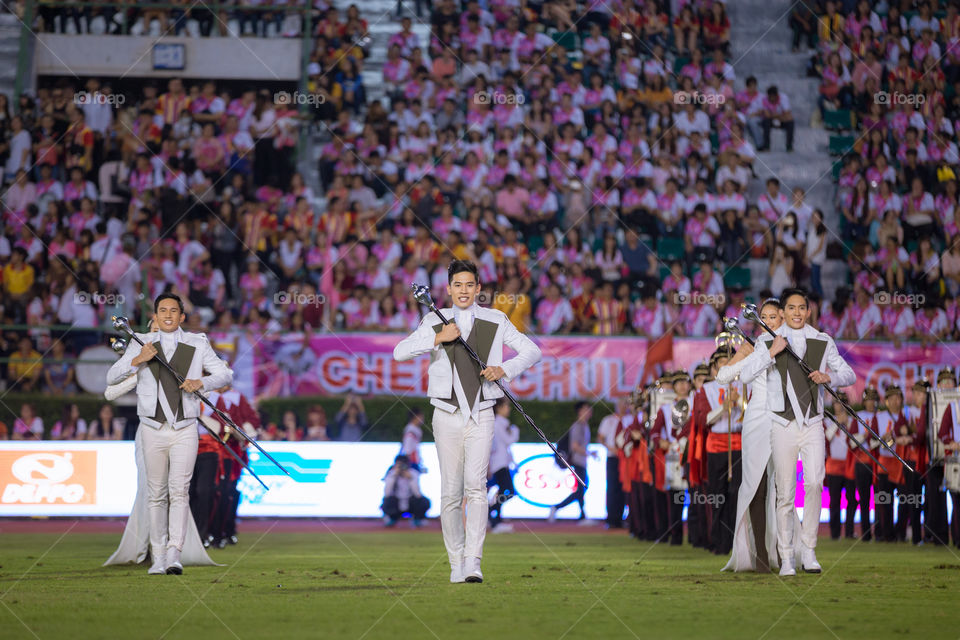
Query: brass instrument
{"x": 673, "y": 459}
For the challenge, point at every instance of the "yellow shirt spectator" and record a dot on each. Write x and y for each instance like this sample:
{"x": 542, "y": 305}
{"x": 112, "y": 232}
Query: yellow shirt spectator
{"x": 18, "y": 280}
{"x": 517, "y": 307}
{"x": 26, "y": 367}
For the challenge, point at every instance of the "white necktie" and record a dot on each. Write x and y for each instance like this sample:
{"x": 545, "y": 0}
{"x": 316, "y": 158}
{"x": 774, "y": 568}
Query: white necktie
{"x": 797, "y": 341}
{"x": 464, "y": 320}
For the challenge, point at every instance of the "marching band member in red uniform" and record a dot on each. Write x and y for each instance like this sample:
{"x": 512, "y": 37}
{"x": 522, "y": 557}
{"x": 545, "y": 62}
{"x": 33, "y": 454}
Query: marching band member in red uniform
{"x": 699, "y": 515}
{"x": 912, "y": 447}
{"x": 887, "y": 424}
{"x": 235, "y": 405}
{"x": 860, "y": 467}
{"x": 949, "y": 435}
{"x": 634, "y": 467}
{"x": 723, "y": 420}
{"x": 837, "y": 478}
{"x": 669, "y": 437}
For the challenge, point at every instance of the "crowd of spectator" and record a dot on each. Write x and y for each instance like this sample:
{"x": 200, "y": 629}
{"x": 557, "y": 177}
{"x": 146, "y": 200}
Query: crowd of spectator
{"x": 596, "y": 161}
{"x": 889, "y": 71}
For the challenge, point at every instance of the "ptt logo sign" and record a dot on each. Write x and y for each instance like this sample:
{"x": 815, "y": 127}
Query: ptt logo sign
{"x": 539, "y": 481}
{"x": 48, "y": 477}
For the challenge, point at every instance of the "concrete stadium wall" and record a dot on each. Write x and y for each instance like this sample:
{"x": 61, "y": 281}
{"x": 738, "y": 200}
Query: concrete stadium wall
{"x": 269, "y": 59}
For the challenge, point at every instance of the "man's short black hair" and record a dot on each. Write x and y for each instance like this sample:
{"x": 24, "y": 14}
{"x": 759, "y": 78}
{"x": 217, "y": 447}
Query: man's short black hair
{"x": 581, "y": 405}
{"x": 167, "y": 296}
{"x": 787, "y": 293}
{"x": 459, "y": 266}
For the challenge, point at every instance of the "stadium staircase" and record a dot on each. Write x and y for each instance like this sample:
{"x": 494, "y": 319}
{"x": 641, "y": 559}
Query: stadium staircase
{"x": 9, "y": 50}
{"x": 382, "y": 23}
{"x": 761, "y": 47}
{"x": 761, "y": 38}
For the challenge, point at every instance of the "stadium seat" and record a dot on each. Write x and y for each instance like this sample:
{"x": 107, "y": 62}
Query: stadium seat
{"x": 838, "y": 120}
{"x": 737, "y": 278}
{"x": 840, "y": 145}
{"x": 679, "y": 63}
{"x": 670, "y": 248}
{"x": 837, "y": 169}
{"x": 566, "y": 39}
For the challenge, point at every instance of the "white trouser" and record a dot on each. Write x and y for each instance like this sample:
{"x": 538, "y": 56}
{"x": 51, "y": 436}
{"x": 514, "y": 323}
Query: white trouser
{"x": 169, "y": 455}
{"x": 787, "y": 443}
{"x": 464, "y": 454}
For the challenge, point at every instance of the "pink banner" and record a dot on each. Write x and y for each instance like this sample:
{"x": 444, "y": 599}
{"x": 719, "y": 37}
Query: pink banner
{"x": 573, "y": 367}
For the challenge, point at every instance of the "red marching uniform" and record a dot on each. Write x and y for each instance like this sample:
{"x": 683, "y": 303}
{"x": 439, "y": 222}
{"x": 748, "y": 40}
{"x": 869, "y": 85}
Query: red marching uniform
{"x": 887, "y": 426}
{"x": 669, "y": 501}
{"x": 242, "y": 413}
{"x": 950, "y": 432}
{"x": 634, "y": 470}
{"x": 698, "y": 514}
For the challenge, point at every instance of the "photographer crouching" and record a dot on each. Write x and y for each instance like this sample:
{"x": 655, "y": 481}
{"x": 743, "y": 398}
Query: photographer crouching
{"x": 401, "y": 493}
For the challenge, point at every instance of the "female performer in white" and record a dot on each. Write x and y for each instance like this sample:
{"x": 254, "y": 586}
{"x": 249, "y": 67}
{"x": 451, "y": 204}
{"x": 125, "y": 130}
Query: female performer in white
{"x": 755, "y": 534}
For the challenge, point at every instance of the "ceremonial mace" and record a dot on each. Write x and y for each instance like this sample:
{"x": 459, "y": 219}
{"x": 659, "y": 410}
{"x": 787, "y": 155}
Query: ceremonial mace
{"x": 422, "y": 294}
{"x": 750, "y": 312}
{"x": 120, "y": 323}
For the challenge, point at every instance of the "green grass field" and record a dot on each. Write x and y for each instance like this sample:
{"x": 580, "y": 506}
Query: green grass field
{"x": 538, "y": 584}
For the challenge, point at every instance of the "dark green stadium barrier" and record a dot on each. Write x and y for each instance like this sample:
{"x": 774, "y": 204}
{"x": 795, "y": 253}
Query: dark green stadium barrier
{"x": 386, "y": 415}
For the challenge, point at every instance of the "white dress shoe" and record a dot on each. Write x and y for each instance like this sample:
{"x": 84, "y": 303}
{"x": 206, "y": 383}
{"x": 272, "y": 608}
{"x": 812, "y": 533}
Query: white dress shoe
{"x": 472, "y": 570}
{"x": 456, "y": 572}
{"x": 159, "y": 566}
{"x": 810, "y": 564}
{"x": 786, "y": 568}
{"x": 173, "y": 562}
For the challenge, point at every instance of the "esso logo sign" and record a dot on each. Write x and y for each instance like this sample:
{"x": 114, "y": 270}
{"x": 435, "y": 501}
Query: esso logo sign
{"x": 539, "y": 481}
{"x": 48, "y": 477}
{"x": 43, "y": 468}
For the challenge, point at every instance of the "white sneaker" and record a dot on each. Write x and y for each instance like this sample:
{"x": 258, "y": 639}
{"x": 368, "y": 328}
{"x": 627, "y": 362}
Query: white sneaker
{"x": 553, "y": 515}
{"x": 159, "y": 566}
{"x": 173, "y": 561}
{"x": 586, "y": 522}
{"x": 810, "y": 564}
{"x": 472, "y": 570}
{"x": 786, "y": 568}
{"x": 503, "y": 527}
{"x": 456, "y": 572}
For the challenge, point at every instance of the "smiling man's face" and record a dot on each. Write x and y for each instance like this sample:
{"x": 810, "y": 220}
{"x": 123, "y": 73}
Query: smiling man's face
{"x": 795, "y": 311}
{"x": 169, "y": 315}
{"x": 463, "y": 289}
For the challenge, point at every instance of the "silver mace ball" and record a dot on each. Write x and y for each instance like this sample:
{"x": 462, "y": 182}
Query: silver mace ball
{"x": 120, "y": 323}
{"x": 732, "y": 325}
{"x": 750, "y": 312}
{"x": 421, "y": 293}
{"x": 118, "y": 344}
